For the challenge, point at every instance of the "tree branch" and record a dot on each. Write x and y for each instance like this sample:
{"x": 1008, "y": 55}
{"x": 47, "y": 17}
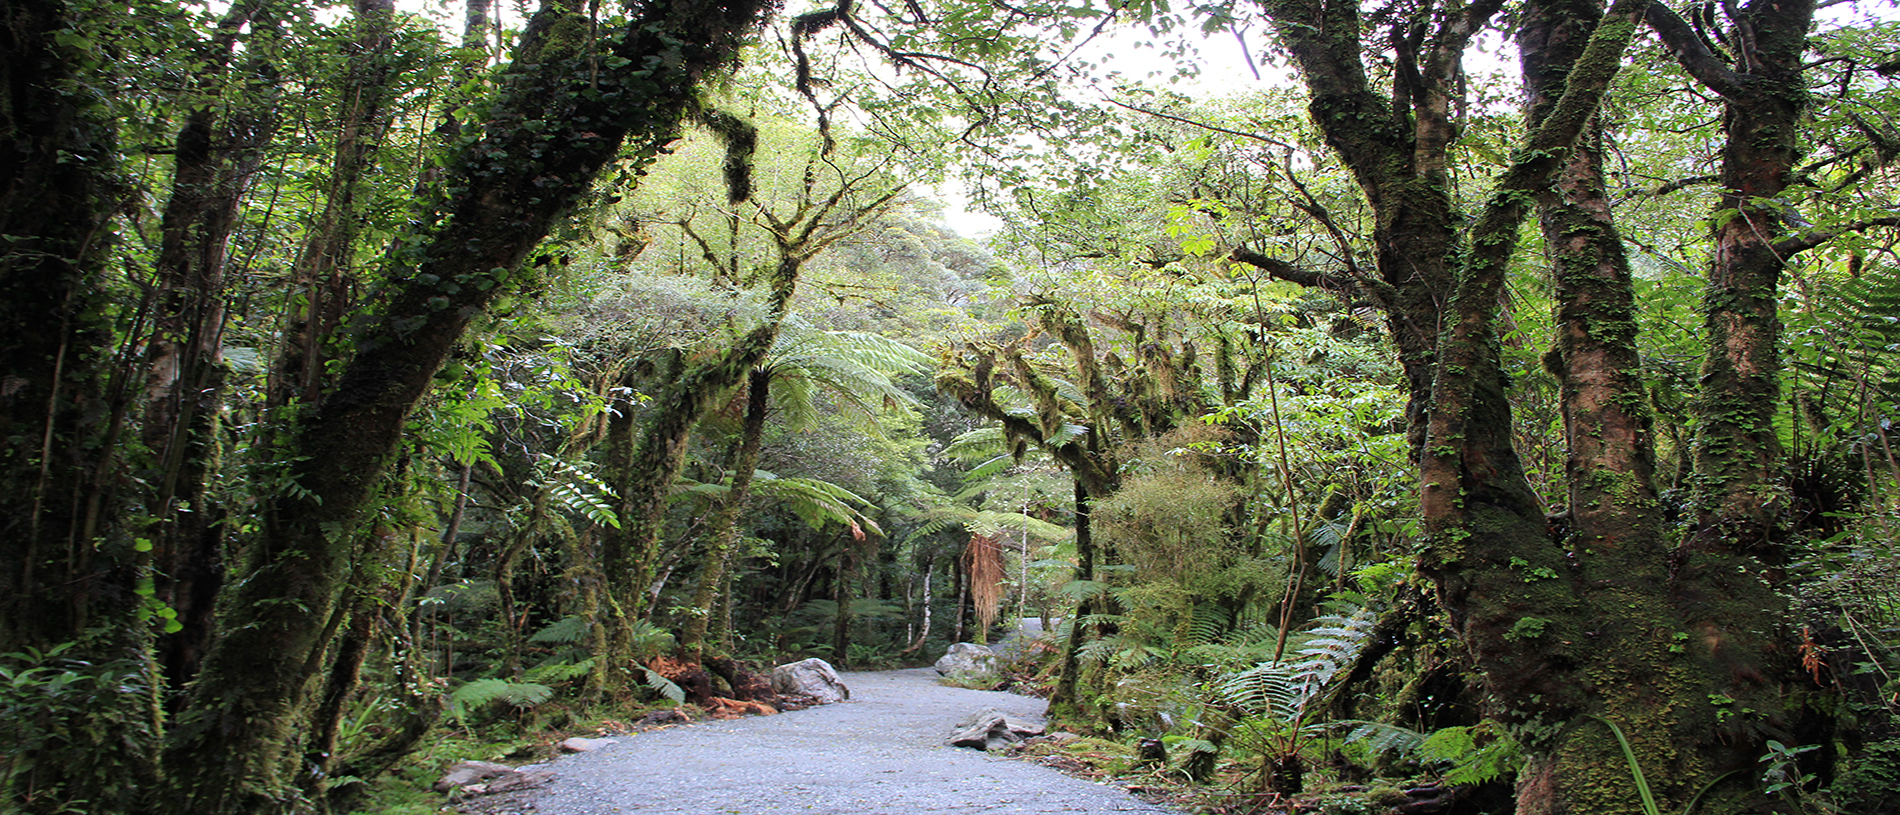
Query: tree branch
{"x": 1796, "y": 244}
{"x": 1695, "y": 56}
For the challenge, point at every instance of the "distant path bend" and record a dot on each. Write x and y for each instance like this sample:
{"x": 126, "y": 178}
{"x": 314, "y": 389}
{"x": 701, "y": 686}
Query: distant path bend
{"x": 882, "y": 753}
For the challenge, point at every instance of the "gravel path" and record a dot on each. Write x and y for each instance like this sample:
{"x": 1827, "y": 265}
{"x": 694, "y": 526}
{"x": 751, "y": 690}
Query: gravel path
{"x": 880, "y": 753}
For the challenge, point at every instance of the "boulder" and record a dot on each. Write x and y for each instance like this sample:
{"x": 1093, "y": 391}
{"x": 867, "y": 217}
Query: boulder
{"x": 967, "y": 659}
{"x": 990, "y": 729}
{"x": 578, "y": 744}
{"x": 813, "y": 678}
{"x": 464, "y": 773}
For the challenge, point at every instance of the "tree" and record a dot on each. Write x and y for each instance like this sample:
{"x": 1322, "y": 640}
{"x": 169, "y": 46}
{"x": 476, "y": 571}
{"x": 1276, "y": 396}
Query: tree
{"x": 834, "y": 200}
{"x": 566, "y": 109}
{"x": 853, "y": 369}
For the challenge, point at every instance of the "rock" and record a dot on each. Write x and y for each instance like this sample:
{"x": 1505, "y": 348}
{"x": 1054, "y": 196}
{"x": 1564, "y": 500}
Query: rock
{"x": 664, "y": 717}
{"x": 990, "y": 729}
{"x": 1059, "y": 737}
{"x": 966, "y": 659}
{"x": 518, "y": 781}
{"x": 464, "y": 773}
{"x": 812, "y": 678}
{"x": 578, "y": 744}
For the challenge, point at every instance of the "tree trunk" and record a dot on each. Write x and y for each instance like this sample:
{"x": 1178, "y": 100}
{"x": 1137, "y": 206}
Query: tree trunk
{"x": 1726, "y": 570}
{"x": 1065, "y": 701}
{"x": 725, "y": 527}
{"x": 55, "y": 203}
{"x": 841, "y": 595}
{"x": 65, "y": 563}
{"x": 1530, "y": 613}
{"x": 229, "y": 753}
{"x": 323, "y": 279}
{"x": 219, "y": 148}
{"x": 630, "y": 556}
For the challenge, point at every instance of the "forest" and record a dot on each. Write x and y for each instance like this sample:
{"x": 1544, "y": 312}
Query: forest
{"x": 1494, "y": 396}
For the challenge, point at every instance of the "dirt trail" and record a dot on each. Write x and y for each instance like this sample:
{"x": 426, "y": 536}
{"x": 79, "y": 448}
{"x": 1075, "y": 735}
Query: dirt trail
{"x": 880, "y": 753}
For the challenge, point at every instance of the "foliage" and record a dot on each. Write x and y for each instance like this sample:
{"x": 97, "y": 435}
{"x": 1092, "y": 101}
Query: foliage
{"x": 473, "y": 696}
{"x": 72, "y": 726}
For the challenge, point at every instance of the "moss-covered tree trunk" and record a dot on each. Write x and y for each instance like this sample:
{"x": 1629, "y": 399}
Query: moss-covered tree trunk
{"x": 1726, "y": 569}
{"x": 1529, "y": 609}
{"x": 56, "y": 197}
{"x": 1652, "y": 686}
{"x": 566, "y": 108}
{"x": 725, "y": 526}
{"x": 218, "y": 149}
{"x": 67, "y": 567}
{"x": 643, "y": 476}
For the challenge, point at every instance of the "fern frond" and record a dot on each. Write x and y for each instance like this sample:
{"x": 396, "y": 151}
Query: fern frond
{"x": 664, "y": 686}
{"x": 560, "y": 670}
{"x": 566, "y": 629}
{"x": 1080, "y": 590}
{"x": 483, "y": 692}
{"x": 648, "y": 639}
{"x": 1381, "y": 739}
{"x": 1270, "y": 689}
{"x": 1098, "y": 652}
{"x": 1208, "y": 622}
{"x": 981, "y": 443}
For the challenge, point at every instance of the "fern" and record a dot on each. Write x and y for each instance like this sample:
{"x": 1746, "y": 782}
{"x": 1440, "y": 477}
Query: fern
{"x": 1080, "y": 590}
{"x": 1472, "y": 755}
{"x": 560, "y": 670}
{"x": 1383, "y": 739}
{"x": 578, "y": 491}
{"x": 664, "y": 686}
{"x": 982, "y": 443}
{"x": 1271, "y": 689}
{"x": 1098, "y": 652}
{"x": 483, "y": 692}
{"x": 978, "y": 477}
{"x": 1209, "y": 621}
{"x": 649, "y": 639}
{"x": 565, "y": 630}
{"x": 1334, "y": 642}
{"x": 1284, "y": 689}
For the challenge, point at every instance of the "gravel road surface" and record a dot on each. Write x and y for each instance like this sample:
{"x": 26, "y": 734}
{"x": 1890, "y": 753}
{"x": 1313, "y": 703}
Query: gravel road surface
{"x": 881, "y": 753}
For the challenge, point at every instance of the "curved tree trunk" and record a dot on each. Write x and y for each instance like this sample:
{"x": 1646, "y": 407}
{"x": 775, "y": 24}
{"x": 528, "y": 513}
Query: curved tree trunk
{"x": 230, "y": 752}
